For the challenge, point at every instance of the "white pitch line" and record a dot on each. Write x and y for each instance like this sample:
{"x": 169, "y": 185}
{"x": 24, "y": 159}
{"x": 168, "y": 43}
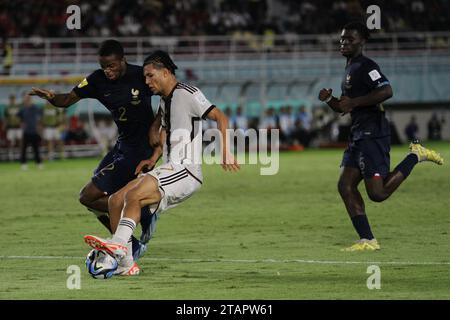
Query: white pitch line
{"x": 300, "y": 261}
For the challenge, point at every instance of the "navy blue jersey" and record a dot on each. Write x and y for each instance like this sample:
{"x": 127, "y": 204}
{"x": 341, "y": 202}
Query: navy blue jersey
{"x": 361, "y": 77}
{"x": 129, "y": 101}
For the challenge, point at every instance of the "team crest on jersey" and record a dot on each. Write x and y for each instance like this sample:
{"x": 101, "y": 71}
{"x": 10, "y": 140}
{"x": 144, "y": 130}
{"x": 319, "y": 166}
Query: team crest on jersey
{"x": 83, "y": 83}
{"x": 347, "y": 82}
{"x": 135, "y": 97}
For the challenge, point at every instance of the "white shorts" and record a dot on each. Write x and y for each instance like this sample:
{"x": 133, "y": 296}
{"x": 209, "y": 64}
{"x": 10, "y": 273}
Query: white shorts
{"x": 51, "y": 134}
{"x": 14, "y": 135}
{"x": 176, "y": 184}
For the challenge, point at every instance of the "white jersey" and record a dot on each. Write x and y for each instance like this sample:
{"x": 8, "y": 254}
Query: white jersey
{"x": 181, "y": 115}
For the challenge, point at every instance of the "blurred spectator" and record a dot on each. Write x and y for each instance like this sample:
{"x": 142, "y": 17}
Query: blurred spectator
{"x": 240, "y": 120}
{"x": 305, "y": 118}
{"x": 228, "y": 112}
{"x": 300, "y": 135}
{"x": 286, "y": 125}
{"x": 3, "y": 141}
{"x": 322, "y": 123}
{"x": 7, "y": 54}
{"x": 31, "y": 117}
{"x": 268, "y": 121}
{"x": 53, "y": 120}
{"x": 108, "y": 18}
{"x": 106, "y": 134}
{"x": 412, "y": 129}
{"x": 190, "y": 75}
{"x": 76, "y": 134}
{"x": 435, "y": 128}
{"x": 12, "y": 124}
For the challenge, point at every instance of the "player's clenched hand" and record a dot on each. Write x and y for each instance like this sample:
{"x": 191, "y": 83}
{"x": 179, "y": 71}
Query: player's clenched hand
{"x": 324, "y": 94}
{"x": 145, "y": 165}
{"x": 229, "y": 163}
{"x": 346, "y": 104}
{"x": 44, "y": 94}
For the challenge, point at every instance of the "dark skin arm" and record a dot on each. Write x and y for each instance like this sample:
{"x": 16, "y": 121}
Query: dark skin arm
{"x": 157, "y": 152}
{"x": 324, "y": 94}
{"x": 61, "y": 100}
{"x": 156, "y": 138}
{"x": 374, "y": 97}
{"x": 346, "y": 104}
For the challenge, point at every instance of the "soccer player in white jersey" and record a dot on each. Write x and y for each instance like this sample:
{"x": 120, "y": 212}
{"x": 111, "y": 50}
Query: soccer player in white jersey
{"x": 180, "y": 175}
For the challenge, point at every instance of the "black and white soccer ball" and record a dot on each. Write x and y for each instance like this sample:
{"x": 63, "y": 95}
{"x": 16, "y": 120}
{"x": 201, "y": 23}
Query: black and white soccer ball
{"x": 100, "y": 265}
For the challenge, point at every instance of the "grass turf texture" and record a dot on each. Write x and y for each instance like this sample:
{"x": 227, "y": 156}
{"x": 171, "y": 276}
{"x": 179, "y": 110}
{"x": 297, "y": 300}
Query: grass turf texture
{"x": 243, "y": 236}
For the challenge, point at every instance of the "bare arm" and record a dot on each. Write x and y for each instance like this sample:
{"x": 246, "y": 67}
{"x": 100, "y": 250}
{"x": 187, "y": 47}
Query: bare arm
{"x": 157, "y": 152}
{"x": 325, "y": 95}
{"x": 153, "y": 133}
{"x": 374, "y": 97}
{"x": 228, "y": 161}
{"x": 346, "y": 104}
{"x": 60, "y": 100}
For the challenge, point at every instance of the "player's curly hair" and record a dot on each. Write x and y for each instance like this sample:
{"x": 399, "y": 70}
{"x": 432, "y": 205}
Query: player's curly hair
{"x": 110, "y": 47}
{"x": 360, "y": 27}
{"x": 161, "y": 59}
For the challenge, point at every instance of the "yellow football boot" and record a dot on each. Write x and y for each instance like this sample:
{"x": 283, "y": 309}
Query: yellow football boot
{"x": 424, "y": 154}
{"x": 363, "y": 245}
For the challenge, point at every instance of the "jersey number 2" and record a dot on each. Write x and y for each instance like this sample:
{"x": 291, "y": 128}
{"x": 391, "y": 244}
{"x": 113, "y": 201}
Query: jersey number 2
{"x": 122, "y": 111}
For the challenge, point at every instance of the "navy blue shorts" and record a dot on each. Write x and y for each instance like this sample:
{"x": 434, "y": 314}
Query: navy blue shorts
{"x": 117, "y": 169}
{"x": 370, "y": 156}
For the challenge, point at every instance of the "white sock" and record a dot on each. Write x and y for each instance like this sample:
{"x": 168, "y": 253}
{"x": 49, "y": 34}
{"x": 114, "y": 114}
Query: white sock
{"x": 128, "y": 260}
{"x": 124, "y": 231}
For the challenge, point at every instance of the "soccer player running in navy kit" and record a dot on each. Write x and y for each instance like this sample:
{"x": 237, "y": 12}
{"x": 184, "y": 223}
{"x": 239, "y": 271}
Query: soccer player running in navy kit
{"x": 121, "y": 88}
{"x": 180, "y": 175}
{"x": 364, "y": 88}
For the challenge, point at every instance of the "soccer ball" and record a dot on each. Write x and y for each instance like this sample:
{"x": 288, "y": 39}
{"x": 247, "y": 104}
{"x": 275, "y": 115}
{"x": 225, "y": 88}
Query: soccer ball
{"x": 100, "y": 265}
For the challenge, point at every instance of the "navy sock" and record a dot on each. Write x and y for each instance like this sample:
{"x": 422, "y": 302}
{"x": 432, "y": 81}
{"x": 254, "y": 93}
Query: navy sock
{"x": 406, "y": 166}
{"x": 145, "y": 218}
{"x": 361, "y": 224}
{"x": 135, "y": 244}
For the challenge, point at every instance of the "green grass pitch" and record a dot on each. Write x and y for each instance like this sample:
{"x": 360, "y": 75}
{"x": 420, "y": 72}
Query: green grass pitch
{"x": 243, "y": 236}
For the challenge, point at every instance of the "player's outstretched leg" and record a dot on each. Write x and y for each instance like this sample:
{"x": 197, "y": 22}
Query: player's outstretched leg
{"x": 424, "y": 154}
{"x": 138, "y": 193}
{"x": 117, "y": 250}
{"x": 96, "y": 202}
{"x": 379, "y": 189}
{"x": 115, "y": 204}
{"x": 122, "y": 253}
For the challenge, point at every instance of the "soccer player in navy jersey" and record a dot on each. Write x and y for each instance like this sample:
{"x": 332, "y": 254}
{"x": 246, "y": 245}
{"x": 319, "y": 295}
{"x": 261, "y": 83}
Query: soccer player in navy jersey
{"x": 364, "y": 88}
{"x": 121, "y": 88}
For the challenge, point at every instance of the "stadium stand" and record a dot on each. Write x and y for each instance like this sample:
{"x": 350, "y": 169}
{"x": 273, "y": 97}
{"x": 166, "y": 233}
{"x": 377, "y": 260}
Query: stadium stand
{"x": 115, "y": 18}
{"x": 250, "y": 54}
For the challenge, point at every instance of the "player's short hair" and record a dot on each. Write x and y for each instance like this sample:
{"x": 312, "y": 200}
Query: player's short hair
{"x": 161, "y": 59}
{"x": 110, "y": 47}
{"x": 360, "y": 27}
